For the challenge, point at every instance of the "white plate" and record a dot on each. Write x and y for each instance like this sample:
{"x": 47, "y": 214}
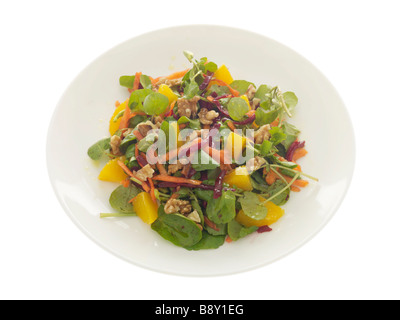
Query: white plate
{"x": 82, "y": 115}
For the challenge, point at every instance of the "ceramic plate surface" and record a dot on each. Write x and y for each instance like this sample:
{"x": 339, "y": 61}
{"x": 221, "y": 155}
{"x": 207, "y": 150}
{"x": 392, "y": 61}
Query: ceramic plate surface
{"x": 83, "y": 112}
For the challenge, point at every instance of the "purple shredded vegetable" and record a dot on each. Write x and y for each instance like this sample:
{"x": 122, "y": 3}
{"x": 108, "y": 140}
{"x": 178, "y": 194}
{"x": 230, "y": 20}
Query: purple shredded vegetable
{"x": 218, "y": 184}
{"x": 264, "y": 229}
{"x": 206, "y": 81}
{"x": 293, "y": 147}
{"x": 247, "y": 121}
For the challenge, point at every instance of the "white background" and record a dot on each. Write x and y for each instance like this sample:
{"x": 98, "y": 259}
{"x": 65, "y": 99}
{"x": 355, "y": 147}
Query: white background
{"x": 45, "y": 44}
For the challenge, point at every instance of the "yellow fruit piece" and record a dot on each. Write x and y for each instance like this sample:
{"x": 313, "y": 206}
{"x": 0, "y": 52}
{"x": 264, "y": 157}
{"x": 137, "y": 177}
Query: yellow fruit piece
{"x": 245, "y": 98}
{"x": 112, "y": 172}
{"x": 145, "y": 208}
{"x": 274, "y": 214}
{"x": 166, "y": 91}
{"x": 114, "y": 126}
{"x": 240, "y": 178}
{"x": 223, "y": 74}
{"x": 235, "y": 144}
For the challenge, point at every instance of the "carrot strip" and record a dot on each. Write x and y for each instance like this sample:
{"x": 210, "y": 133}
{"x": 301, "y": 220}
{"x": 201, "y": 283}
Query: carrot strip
{"x": 210, "y": 98}
{"x": 125, "y": 183}
{"x": 177, "y": 75}
{"x": 294, "y": 188}
{"x": 296, "y": 183}
{"x": 161, "y": 169}
{"x": 152, "y": 190}
{"x": 231, "y": 125}
{"x": 211, "y": 224}
{"x": 137, "y": 134}
{"x": 130, "y": 173}
{"x": 137, "y": 81}
{"x": 169, "y": 112}
{"x": 177, "y": 180}
{"x": 125, "y": 118}
{"x": 275, "y": 123}
{"x": 234, "y": 92}
{"x": 298, "y": 153}
{"x": 136, "y": 151}
{"x": 228, "y": 239}
{"x": 270, "y": 177}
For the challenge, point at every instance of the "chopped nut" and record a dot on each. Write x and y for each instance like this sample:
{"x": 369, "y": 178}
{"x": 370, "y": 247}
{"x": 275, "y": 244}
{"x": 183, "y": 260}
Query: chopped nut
{"x": 186, "y": 107}
{"x": 251, "y": 92}
{"x": 207, "y": 117}
{"x": 172, "y": 168}
{"x": 262, "y": 134}
{"x": 177, "y": 206}
{"x": 166, "y": 81}
{"x": 115, "y": 142}
{"x": 255, "y": 163}
{"x": 194, "y": 216}
{"x": 145, "y": 173}
{"x": 145, "y": 127}
{"x": 255, "y": 102}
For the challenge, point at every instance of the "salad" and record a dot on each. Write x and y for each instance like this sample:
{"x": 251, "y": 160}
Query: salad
{"x": 202, "y": 158}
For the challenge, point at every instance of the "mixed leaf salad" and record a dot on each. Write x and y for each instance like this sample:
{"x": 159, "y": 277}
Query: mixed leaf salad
{"x": 202, "y": 158}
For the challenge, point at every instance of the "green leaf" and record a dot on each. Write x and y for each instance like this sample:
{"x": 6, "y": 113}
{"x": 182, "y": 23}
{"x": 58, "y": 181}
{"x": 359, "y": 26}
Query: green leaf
{"x": 119, "y": 198}
{"x": 237, "y": 108}
{"x": 241, "y": 85}
{"x": 210, "y": 66}
{"x": 291, "y": 134}
{"x": 277, "y": 135}
{"x": 137, "y": 97}
{"x": 223, "y": 209}
{"x": 208, "y": 241}
{"x": 193, "y": 124}
{"x": 204, "y": 162}
{"x": 177, "y": 229}
{"x": 146, "y": 82}
{"x": 277, "y": 186}
{"x": 147, "y": 142}
{"x": 236, "y": 231}
{"x": 222, "y": 229}
{"x": 127, "y": 141}
{"x": 96, "y": 151}
{"x": 291, "y": 100}
{"x": 127, "y": 81}
{"x": 266, "y": 147}
{"x": 252, "y": 206}
{"x": 155, "y": 103}
{"x": 265, "y": 117}
{"x": 263, "y": 93}
{"x": 191, "y": 90}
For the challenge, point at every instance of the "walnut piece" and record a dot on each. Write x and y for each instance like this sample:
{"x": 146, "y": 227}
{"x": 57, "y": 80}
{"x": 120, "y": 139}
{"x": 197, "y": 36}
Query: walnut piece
{"x": 115, "y": 142}
{"x": 187, "y": 108}
{"x": 194, "y": 216}
{"x": 166, "y": 81}
{"x": 255, "y": 163}
{"x": 145, "y": 173}
{"x": 251, "y": 92}
{"x": 172, "y": 168}
{"x": 177, "y": 206}
{"x": 262, "y": 134}
{"x": 207, "y": 117}
{"x": 145, "y": 127}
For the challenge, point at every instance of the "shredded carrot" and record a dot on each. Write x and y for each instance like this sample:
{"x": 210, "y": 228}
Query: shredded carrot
{"x": 177, "y": 75}
{"x": 137, "y": 81}
{"x": 210, "y": 98}
{"x": 298, "y": 183}
{"x": 270, "y": 177}
{"x": 228, "y": 239}
{"x": 211, "y": 224}
{"x": 117, "y": 104}
{"x": 131, "y": 174}
{"x": 177, "y": 180}
{"x": 275, "y": 123}
{"x": 234, "y": 92}
{"x": 298, "y": 153}
{"x": 125, "y": 118}
{"x": 133, "y": 199}
{"x": 174, "y": 153}
{"x": 152, "y": 190}
{"x": 125, "y": 183}
{"x": 137, "y": 134}
{"x": 161, "y": 169}
{"x": 231, "y": 125}
{"x": 250, "y": 113}
{"x": 174, "y": 196}
{"x": 294, "y": 188}
{"x": 169, "y": 112}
